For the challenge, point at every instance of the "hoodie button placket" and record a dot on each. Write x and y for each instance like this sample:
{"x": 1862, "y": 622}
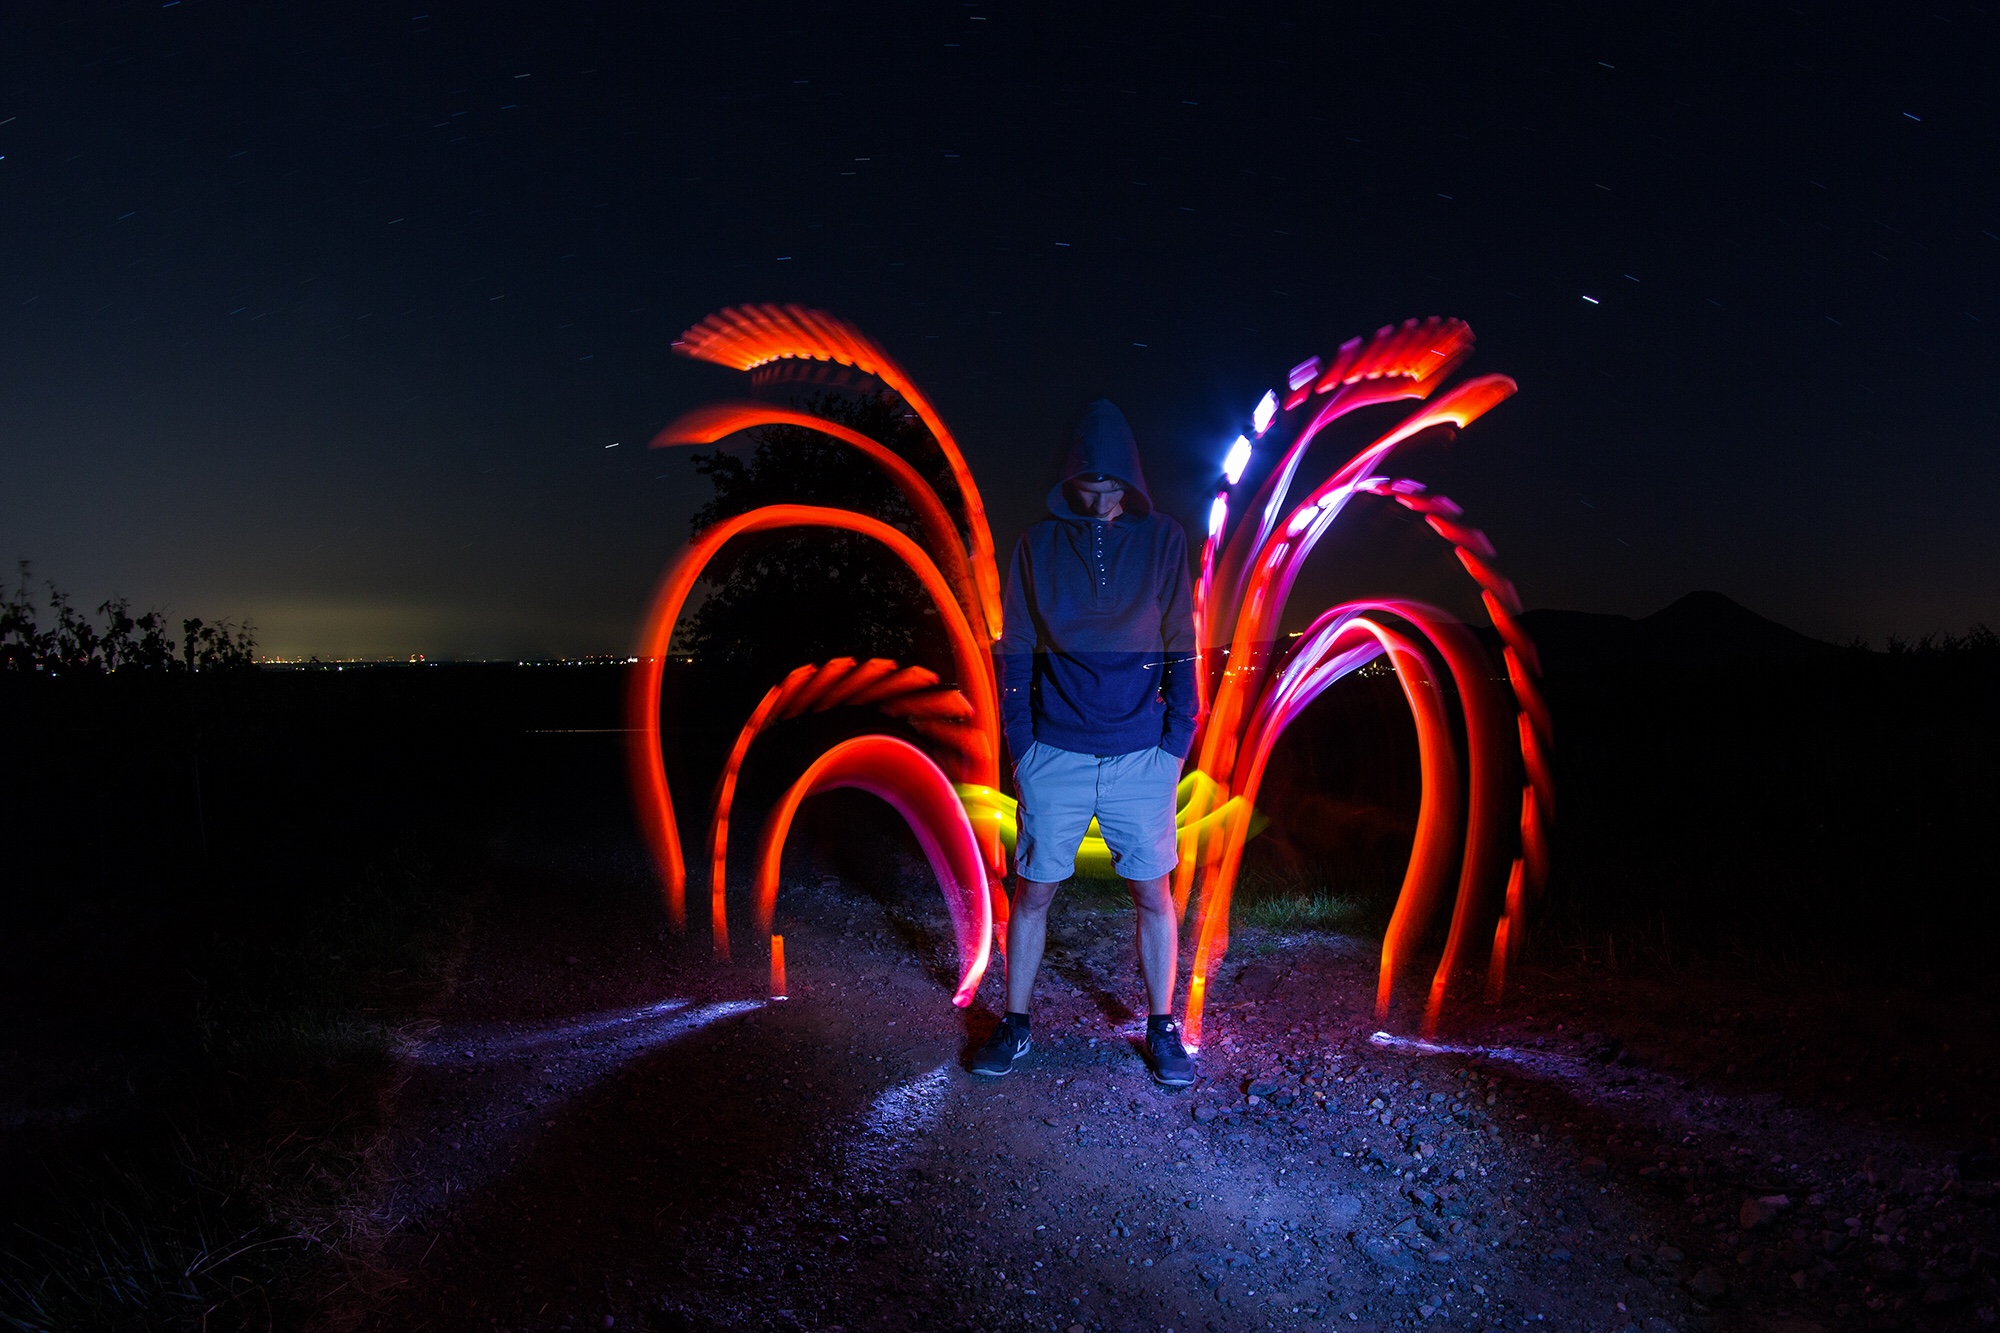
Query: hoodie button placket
{"x": 1103, "y": 579}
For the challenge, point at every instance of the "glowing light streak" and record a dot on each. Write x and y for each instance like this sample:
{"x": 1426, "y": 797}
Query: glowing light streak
{"x": 716, "y": 421}
{"x": 1204, "y": 585}
{"x": 918, "y": 790}
{"x": 1327, "y": 651}
{"x": 808, "y": 693}
{"x": 778, "y": 991}
{"x": 749, "y": 336}
{"x": 651, "y": 791}
{"x": 1233, "y": 465}
{"x": 877, "y": 682}
{"x": 725, "y": 796}
{"x": 1247, "y": 694}
{"x": 869, "y": 673}
{"x": 456, "y": 1045}
{"x": 895, "y": 683}
{"x": 1266, "y": 409}
{"x": 554, "y": 1062}
{"x": 1366, "y": 376}
{"x": 1277, "y": 569}
{"x": 1541, "y": 1062}
{"x": 1197, "y": 823}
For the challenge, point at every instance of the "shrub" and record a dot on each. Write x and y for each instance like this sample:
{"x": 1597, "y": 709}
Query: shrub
{"x": 74, "y": 645}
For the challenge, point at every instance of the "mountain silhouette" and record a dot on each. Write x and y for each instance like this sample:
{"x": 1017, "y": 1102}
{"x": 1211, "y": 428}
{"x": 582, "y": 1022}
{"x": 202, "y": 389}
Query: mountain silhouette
{"x": 1699, "y": 629}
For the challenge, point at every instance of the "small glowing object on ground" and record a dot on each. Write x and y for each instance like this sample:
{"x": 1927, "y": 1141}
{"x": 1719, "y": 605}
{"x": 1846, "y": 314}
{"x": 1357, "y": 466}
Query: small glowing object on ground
{"x": 1487, "y": 797}
{"x": 1237, "y": 460}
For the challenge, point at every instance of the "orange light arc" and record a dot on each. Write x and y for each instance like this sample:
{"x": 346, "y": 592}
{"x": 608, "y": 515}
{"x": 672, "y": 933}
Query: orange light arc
{"x": 1468, "y": 727}
{"x": 645, "y": 765}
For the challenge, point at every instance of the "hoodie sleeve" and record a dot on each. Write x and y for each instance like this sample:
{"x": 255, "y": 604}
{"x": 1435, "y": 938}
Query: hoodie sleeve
{"x": 1014, "y": 656}
{"x": 1177, "y": 636}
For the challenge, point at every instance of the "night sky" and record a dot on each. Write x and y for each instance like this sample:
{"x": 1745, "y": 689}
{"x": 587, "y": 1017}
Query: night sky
{"x": 326, "y": 315}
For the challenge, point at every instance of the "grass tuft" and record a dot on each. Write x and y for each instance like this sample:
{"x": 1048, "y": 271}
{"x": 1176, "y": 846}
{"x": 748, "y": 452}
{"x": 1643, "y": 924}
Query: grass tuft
{"x": 1315, "y": 911}
{"x": 150, "y": 1248}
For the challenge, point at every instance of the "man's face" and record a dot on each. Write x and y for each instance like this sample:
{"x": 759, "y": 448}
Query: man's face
{"x": 1095, "y": 495}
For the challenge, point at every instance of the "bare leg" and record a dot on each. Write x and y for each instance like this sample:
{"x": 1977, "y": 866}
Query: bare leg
{"x": 1159, "y": 940}
{"x": 1027, "y": 931}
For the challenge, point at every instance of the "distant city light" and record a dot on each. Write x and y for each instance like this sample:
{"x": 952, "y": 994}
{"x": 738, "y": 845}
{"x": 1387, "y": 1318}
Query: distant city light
{"x": 1267, "y": 408}
{"x": 1238, "y": 459}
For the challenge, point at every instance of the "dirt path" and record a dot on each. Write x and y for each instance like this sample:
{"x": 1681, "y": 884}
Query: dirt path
{"x": 603, "y": 1128}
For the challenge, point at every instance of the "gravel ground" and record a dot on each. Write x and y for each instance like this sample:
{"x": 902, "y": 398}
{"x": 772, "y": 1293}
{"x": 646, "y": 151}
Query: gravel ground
{"x": 602, "y": 1127}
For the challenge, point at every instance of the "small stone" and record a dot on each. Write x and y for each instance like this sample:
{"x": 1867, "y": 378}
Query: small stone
{"x": 1262, "y": 1087}
{"x": 1205, "y": 1114}
{"x": 1395, "y": 1260}
{"x": 1559, "y": 1256}
{"x": 1667, "y": 1254}
{"x": 1708, "y": 1285}
{"x": 1762, "y": 1212}
{"x": 1594, "y": 1166}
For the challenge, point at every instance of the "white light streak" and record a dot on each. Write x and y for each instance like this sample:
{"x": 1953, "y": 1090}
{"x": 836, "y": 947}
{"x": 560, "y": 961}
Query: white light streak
{"x": 1237, "y": 459}
{"x": 1267, "y": 409}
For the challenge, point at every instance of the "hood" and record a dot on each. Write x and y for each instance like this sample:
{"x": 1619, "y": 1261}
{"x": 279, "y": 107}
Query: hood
{"x": 1102, "y": 442}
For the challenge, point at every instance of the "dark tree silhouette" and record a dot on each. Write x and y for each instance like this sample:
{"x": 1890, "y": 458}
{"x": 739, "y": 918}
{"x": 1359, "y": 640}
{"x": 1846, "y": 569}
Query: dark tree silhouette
{"x": 74, "y": 645}
{"x": 781, "y": 599}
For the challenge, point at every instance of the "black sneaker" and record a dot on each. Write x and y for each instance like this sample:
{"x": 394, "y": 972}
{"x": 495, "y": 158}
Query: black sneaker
{"x": 1172, "y": 1065}
{"x": 1008, "y": 1043}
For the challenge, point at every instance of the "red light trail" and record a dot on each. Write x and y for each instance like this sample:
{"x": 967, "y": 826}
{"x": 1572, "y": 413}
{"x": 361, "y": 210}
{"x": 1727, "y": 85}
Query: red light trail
{"x": 1475, "y": 741}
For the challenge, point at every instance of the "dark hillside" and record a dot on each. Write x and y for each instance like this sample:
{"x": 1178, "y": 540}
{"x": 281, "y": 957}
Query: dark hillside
{"x": 1700, "y": 628}
{"x": 1728, "y": 786}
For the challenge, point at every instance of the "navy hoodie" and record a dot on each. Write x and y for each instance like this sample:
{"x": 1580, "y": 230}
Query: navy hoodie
{"x": 1096, "y": 651}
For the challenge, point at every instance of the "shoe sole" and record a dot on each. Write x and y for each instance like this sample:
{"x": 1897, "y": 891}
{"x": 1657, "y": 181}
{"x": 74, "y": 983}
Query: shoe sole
{"x": 1167, "y": 1082}
{"x": 1002, "y": 1073}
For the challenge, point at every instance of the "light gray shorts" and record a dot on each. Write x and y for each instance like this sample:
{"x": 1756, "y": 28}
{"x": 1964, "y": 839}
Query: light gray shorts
{"x": 1131, "y": 795}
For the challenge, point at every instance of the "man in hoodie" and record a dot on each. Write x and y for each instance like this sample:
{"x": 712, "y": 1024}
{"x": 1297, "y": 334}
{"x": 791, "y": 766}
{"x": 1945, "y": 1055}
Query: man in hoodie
{"x": 1096, "y": 664}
